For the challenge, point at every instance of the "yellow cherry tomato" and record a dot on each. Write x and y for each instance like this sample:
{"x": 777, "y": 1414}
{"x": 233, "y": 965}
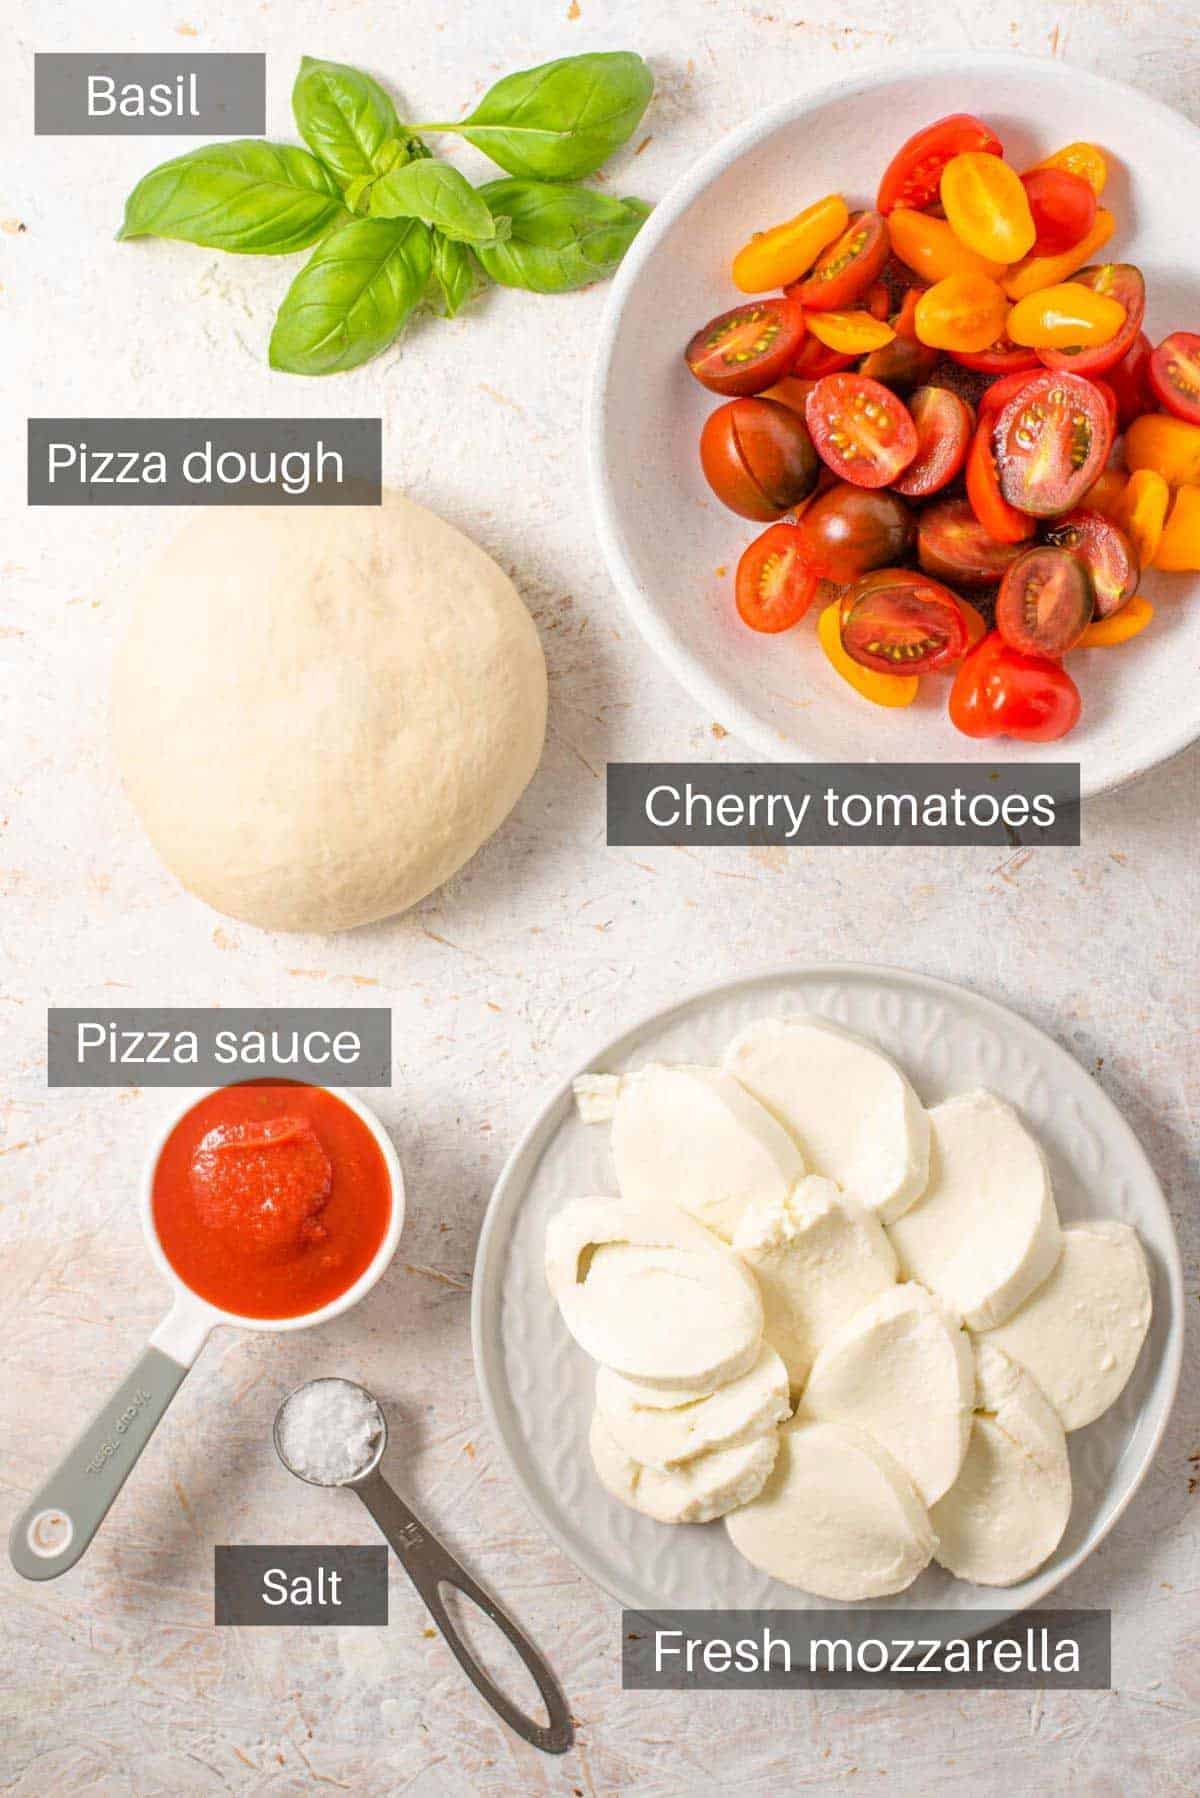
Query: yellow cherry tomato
{"x": 1065, "y": 317}
{"x": 963, "y": 312}
{"x": 785, "y": 252}
{"x": 880, "y": 689}
{"x": 1047, "y": 271}
{"x": 1141, "y": 512}
{"x": 1107, "y": 493}
{"x": 931, "y": 250}
{"x": 850, "y": 333}
{"x": 1167, "y": 445}
{"x": 1179, "y": 547}
{"x": 1084, "y": 160}
{"x": 1118, "y": 627}
{"x": 987, "y": 208}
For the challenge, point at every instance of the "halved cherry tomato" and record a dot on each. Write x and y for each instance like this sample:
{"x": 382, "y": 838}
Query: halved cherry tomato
{"x": 785, "y": 252}
{"x": 913, "y": 176}
{"x": 953, "y": 545}
{"x": 1004, "y": 357}
{"x": 1045, "y": 602}
{"x": 1051, "y": 441}
{"x": 758, "y": 457}
{"x": 847, "y": 268}
{"x": 881, "y": 689}
{"x": 1104, "y": 495}
{"x": 987, "y": 207}
{"x": 791, "y": 391}
{"x": 902, "y": 364}
{"x": 748, "y": 348}
{"x": 1105, "y": 552}
{"x": 1130, "y": 381}
{"x": 1001, "y": 521}
{"x": 944, "y": 428}
{"x": 1118, "y": 282}
{"x": 1038, "y": 271}
{"x": 1084, "y": 160}
{"x": 1175, "y": 375}
{"x": 895, "y": 622}
{"x": 1141, "y": 511}
{"x": 878, "y": 300}
{"x": 1130, "y": 621}
{"x": 815, "y": 360}
{"x": 999, "y": 692}
{"x": 930, "y": 248}
{"x": 1069, "y": 316}
{"x": 850, "y": 333}
{"x": 1168, "y": 445}
{"x": 853, "y": 530}
{"x": 1179, "y": 548}
{"x": 861, "y": 430}
{"x": 1063, "y": 206}
{"x": 776, "y": 579}
{"x": 963, "y": 312}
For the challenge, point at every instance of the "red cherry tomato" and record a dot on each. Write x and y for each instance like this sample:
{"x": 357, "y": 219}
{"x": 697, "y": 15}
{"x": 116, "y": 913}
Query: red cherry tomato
{"x": 1051, "y": 442}
{"x": 847, "y": 268}
{"x": 776, "y": 579}
{"x": 999, "y": 520}
{"x": 815, "y": 359}
{"x": 749, "y": 348}
{"x": 953, "y": 545}
{"x": 1001, "y": 358}
{"x": 999, "y": 692}
{"x": 1175, "y": 375}
{"x": 1130, "y": 381}
{"x": 1045, "y": 602}
{"x": 914, "y": 175}
{"x": 1063, "y": 207}
{"x": 861, "y": 430}
{"x": 1105, "y": 551}
{"x": 898, "y": 622}
{"x": 945, "y": 425}
{"x": 854, "y": 530}
{"x": 758, "y": 457}
{"x": 1118, "y": 281}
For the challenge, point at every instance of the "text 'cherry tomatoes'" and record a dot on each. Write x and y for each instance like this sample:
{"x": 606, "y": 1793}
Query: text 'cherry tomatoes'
{"x": 1051, "y": 441}
{"x": 748, "y": 348}
{"x": 1045, "y": 602}
{"x": 854, "y": 530}
{"x": 1114, "y": 281}
{"x": 999, "y": 692}
{"x": 897, "y": 622}
{"x": 1063, "y": 206}
{"x": 944, "y": 428}
{"x": 847, "y": 268}
{"x": 914, "y": 175}
{"x": 1105, "y": 552}
{"x": 1175, "y": 375}
{"x": 776, "y": 579}
{"x": 861, "y": 430}
{"x": 758, "y": 457}
{"x": 953, "y": 545}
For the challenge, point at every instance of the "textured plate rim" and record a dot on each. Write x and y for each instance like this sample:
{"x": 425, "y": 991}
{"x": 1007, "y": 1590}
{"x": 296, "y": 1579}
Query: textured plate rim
{"x": 671, "y": 651}
{"x": 486, "y": 1295}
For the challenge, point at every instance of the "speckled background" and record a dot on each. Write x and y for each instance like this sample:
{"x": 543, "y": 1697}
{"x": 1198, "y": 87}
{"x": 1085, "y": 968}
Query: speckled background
{"x": 113, "y": 1680}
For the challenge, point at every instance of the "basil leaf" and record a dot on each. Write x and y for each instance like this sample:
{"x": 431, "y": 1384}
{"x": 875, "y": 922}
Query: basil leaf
{"x": 253, "y": 198}
{"x": 562, "y": 236}
{"x": 355, "y": 294}
{"x": 561, "y": 120}
{"x": 344, "y": 117}
{"x": 455, "y": 277}
{"x": 437, "y": 193}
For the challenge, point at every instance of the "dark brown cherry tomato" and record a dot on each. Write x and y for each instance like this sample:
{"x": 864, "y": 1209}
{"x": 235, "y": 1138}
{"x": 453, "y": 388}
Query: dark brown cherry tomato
{"x": 914, "y": 175}
{"x": 1063, "y": 207}
{"x": 847, "y": 268}
{"x": 776, "y": 579}
{"x": 1045, "y": 602}
{"x": 944, "y": 428}
{"x": 1118, "y": 281}
{"x": 953, "y": 545}
{"x": 902, "y": 364}
{"x": 758, "y": 457}
{"x": 1175, "y": 375}
{"x": 747, "y": 349}
{"x": 1130, "y": 381}
{"x": 1105, "y": 552}
{"x": 861, "y": 430}
{"x": 898, "y": 622}
{"x": 854, "y": 530}
{"x": 1051, "y": 442}
{"x": 998, "y": 692}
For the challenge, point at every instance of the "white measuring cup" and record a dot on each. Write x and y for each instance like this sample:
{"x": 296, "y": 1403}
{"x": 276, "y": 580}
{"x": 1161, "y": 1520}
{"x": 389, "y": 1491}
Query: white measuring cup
{"x": 60, "y": 1520}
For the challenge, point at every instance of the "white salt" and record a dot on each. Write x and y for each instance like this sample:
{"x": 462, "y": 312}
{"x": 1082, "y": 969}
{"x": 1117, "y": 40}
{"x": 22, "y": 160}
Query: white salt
{"x": 329, "y": 1431}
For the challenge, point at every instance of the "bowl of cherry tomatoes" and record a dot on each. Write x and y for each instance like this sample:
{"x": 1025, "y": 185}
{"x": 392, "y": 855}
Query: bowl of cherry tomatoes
{"x": 895, "y": 429}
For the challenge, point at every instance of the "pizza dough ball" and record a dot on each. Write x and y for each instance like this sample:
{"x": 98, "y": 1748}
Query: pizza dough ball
{"x": 320, "y": 713}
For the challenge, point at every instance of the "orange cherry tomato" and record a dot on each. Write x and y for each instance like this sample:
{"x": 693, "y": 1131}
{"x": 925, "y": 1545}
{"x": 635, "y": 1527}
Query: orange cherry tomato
{"x": 881, "y": 689}
{"x": 1130, "y": 621}
{"x": 776, "y": 579}
{"x": 1063, "y": 206}
{"x": 1119, "y": 281}
{"x": 1047, "y": 271}
{"x": 1104, "y": 495}
{"x": 987, "y": 207}
{"x": 1167, "y": 445}
{"x": 1065, "y": 317}
{"x": 930, "y": 248}
{"x": 1141, "y": 511}
{"x": 1084, "y": 160}
{"x": 851, "y": 333}
{"x": 915, "y": 171}
{"x": 785, "y": 252}
{"x": 1179, "y": 547}
{"x": 847, "y": 268}
{"x": 963, "y": 312}
{"x": 792, "y": 391}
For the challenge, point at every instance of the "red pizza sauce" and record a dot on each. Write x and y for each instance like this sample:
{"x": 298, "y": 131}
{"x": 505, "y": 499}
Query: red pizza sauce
{"x": 271, "y": 1198}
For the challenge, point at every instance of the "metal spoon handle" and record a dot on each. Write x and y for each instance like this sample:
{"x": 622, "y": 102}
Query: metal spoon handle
{"x": 430, "y": 1567}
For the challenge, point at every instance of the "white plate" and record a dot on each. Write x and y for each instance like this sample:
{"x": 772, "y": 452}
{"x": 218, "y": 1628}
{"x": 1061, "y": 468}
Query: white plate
{"x": 663, "y": 533}
{"x": 537, "y": 1385}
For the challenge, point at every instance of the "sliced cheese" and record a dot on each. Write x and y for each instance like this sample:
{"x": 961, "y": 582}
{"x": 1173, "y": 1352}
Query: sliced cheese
{"x": 706, "y": 1487}
{"x": 647, "y": 1290}
{"x": 903, "y": 1371}
{"x": 985, "y": 1235}
{"x": 1081, "y": 1332}
{"x": 693, "y": 1135}
{"x": 819, "y": 1256}
{"x": 737, "y": 1412}
{"x": 838, "y": 1516}
{"x": 1008, "y": 1508}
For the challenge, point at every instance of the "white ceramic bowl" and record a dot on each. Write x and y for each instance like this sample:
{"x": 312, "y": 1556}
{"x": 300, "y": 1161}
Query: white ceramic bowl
{"x": 663, "y": 533}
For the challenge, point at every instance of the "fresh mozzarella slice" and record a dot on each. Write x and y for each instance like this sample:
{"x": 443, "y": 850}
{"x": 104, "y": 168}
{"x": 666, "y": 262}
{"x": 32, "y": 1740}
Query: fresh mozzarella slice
{"x": 737, "y": 1412}
{"x": 694, "y": 1135}
{"x": 903, "y": 1371}
{"x": 700, "y": 1490}
{"x": 1008, "y": 1508}
{"x": 1081, "y": 1332}
{"x": 986, "y": 1234}
{"x": 650, "y": 1292}
{"x": 838, "y": 1516}
{"x": 819, "y": 1256}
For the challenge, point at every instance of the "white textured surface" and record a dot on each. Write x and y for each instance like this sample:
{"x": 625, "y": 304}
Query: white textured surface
{"x": 114, "y": 1680}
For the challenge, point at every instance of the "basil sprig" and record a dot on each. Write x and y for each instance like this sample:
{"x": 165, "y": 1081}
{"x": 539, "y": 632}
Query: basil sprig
{"x": 393, "y": 227}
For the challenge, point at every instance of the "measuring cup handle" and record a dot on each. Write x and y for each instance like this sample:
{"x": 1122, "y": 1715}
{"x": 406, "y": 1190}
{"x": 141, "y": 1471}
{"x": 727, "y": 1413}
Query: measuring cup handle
{"x": 430, "y": 1567}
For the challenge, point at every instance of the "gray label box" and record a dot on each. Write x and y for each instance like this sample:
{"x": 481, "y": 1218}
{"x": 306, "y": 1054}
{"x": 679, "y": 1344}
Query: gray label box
{"x": 167, "y": 94}
{"x": 205, "y": 461}
{"x": 830, "y": 804}
{"x": 175, "y": 1046}
{"x": 256, "y": 1586}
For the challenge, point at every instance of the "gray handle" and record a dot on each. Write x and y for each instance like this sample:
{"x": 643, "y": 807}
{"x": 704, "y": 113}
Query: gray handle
{"x": 60, "y": 1520}
{"x": 430, "y": 1567}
